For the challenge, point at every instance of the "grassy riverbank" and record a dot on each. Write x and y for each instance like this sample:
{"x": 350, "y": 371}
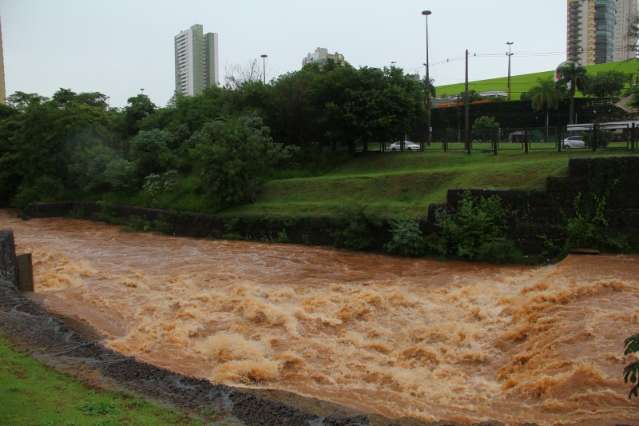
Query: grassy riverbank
{"x": 405, "y": 184}
{"x": 388, "y": 185}
{"x": 33, "y": 394}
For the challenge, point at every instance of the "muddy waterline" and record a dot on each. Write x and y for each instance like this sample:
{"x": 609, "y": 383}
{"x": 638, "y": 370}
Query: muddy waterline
{"x": 398, "y": 337}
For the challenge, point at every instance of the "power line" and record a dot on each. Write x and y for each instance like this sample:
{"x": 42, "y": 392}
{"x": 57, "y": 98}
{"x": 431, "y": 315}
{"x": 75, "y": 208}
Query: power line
{"x": 519, "y": 54}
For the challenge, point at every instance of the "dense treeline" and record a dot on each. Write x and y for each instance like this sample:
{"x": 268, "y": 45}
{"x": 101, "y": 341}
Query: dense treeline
{"x": 206, "y": 152}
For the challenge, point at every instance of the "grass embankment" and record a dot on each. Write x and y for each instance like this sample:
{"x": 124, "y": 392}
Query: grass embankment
{"x": 392, "y": 185}
{"x": 405, "y": 184}
{"x": 33, "y": 394}
{"x": 523, "y": 83}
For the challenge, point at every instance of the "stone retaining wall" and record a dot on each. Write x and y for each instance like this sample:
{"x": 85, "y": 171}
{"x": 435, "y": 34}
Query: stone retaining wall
{"x": 535, "y": 216}
{"x": 324, "y": 231}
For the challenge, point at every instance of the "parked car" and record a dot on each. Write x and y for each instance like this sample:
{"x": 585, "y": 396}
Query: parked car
{"x": 573, "y": 142}
{"x": 408, "y": 146}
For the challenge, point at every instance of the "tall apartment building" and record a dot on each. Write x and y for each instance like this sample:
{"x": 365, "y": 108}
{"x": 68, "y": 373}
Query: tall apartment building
{"x": 625, "y": 32}
{"x": 600, "y": 31}
{"x": 3, "y": 94}
{"x": 321, "y": 56}
{"x": 196, "y": 61}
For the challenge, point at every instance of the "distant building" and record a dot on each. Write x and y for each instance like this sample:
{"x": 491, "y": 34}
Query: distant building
{"x": 3, "y": 94}
{"x": 601, "y": 31}
{"x": 196, "y": 61}
{"x": 625, "y": 32}
{"x": 321, "y": 56}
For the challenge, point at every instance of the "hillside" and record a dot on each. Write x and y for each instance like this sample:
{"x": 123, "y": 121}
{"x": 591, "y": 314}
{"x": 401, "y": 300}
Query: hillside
{"x": 523, "y": 83}
{"x": 404, "y": 184}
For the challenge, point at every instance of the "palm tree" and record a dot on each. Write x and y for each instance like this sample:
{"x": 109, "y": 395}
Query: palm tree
{"x": 544, "y": 97}
{"x": 575, "y": 76}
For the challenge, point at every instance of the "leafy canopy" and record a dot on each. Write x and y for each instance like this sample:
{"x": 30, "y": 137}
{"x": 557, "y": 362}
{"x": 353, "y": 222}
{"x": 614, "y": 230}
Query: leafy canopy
{"x": 234, "y": 157}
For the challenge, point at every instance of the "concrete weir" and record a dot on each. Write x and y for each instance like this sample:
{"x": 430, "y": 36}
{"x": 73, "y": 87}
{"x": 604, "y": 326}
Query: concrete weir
{"x": 8, "y": 263}
{"x": 15, "y": 269}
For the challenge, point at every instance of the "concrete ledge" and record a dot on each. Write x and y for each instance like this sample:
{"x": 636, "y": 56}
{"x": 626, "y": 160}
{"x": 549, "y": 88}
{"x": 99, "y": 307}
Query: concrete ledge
{"x": 8, "y": 265}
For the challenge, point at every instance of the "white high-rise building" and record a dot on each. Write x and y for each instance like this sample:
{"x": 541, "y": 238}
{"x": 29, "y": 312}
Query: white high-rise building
{"x": 625, "y": 35}
{"x": 196, "y": 61}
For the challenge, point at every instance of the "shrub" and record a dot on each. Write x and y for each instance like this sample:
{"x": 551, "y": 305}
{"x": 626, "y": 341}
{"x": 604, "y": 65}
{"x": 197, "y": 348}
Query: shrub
{"x": 357, "y": 229}
{"x": 607, "y": 84}
{"x": 150, "y": 152}
{"x": 406, "y": 238}
{"x": 631, "y": 371}
{"x": 477, "y": 231}
{"x": 485, "y": 128}
{"x": 235, "y": 156}
{"x": 93, "y": 167}
{"x": 589, "y": 227}
{"x": 44, "y": 188}
{"x": 154, "y": 185}
{"x": 119, "y": 174}
{"x": 232, "y": 229}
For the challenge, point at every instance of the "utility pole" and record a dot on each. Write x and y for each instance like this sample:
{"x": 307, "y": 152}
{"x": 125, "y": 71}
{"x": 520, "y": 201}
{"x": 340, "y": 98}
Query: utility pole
{"x": 466, "y": 110}
{"x": 264, "y": 67}
{"x": 510, "y": 55}
{"x": 427, "y": 13}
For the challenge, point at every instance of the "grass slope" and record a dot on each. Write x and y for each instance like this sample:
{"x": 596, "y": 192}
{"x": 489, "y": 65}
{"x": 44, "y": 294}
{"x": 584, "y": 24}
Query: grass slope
{"x": 33, "y": 394}
{"x": 405, "y": 184}
{"x": 523, "y": 83}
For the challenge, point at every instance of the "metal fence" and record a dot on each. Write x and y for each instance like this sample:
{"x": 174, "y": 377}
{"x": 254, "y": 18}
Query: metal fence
{"x": 604, "y": 136}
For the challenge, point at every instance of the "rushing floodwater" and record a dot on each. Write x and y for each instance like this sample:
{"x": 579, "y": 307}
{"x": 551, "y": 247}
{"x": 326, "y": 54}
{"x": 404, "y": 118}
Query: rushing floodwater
{"x": 398, "y": 337}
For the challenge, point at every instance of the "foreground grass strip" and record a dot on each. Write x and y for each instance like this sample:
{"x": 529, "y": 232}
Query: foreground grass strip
{"x": 33, "y": 394}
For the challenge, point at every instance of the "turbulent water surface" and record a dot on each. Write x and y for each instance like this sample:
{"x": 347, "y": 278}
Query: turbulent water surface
{"x": 398, "y": 337}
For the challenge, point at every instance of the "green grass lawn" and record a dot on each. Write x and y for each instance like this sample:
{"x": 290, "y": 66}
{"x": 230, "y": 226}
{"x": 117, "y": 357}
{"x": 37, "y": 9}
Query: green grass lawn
{"x": 405, "y": 184}
{"x": 523, "y": 83}
{"x": 33, "y": 394}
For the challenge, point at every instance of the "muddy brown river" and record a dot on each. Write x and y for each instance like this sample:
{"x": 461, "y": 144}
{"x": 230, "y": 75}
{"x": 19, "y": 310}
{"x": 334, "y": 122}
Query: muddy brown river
{"x": 398, "y": 337}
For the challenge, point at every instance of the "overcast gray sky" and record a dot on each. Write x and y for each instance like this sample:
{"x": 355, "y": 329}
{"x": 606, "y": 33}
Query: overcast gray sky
{"x": 119, "y": 46}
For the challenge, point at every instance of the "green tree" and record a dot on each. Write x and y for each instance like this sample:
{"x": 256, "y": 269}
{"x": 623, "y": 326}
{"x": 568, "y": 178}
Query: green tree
{"x": 606, "y": 84}
{"x": 234, "y": 157}
{"x": 138, "y": 108}
{"x": 63, "y": 97}
{"x": 38, "y": 143}
{"x": 150, "y": 152}
{"x": 66, "y": 97}
{"x": 21, "y": 100}
{"x": 485, "y": 128}
{"x": 575, "y": 77}
{"x": 545, "y": 96}
{"x": 339, "y": 106}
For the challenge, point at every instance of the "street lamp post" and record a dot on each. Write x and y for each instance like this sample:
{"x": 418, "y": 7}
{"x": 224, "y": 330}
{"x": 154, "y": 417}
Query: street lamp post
{"x": 510, "y": 55}
{"x": 427, "y": 13}
{"x": 264, "y": 67}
